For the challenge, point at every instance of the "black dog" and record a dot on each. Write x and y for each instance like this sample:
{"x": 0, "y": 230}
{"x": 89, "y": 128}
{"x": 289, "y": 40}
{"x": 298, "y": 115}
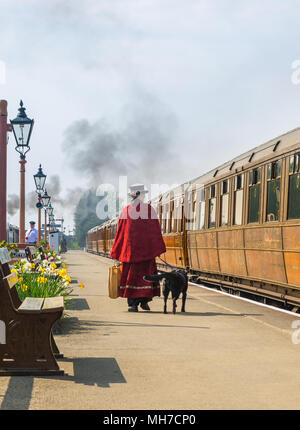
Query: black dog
{"x": 176, "y": 282}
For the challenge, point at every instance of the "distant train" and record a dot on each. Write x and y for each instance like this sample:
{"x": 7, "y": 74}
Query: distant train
{"x": 12, "y": 234}
{"x": 237, "y": 226}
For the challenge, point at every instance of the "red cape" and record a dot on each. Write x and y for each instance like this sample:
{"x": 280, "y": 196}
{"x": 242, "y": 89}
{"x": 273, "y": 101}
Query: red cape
{"x": 139, "y": 235}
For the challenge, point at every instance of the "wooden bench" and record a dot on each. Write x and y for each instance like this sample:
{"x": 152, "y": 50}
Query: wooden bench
{"x": 29, "y": 347}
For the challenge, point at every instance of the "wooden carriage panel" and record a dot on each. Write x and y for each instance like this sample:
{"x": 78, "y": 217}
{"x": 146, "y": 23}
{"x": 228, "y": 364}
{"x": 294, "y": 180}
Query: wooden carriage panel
{"x": 208, "y": 260}
{"x": 193, "y": 259}
{"x": 232, "y": 239}
{"x": 232, "y": 262}
{"x": 174, "y": 254}
{"x": 266, "y": 265}
{"x": 94, "y": 245}
{"x": 202, "y": 250}
{"x": 192, "y": 250}
{"x": 291, "y": 237}
{"x": 292, "y": 265}
{"x": 101, "y": 246}
{"x": 206, "y": 240}
{"x": 263, "y": 238}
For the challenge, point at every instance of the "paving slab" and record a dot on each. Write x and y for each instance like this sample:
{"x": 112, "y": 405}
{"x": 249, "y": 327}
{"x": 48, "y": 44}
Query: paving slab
{"x": 223, "y": 353}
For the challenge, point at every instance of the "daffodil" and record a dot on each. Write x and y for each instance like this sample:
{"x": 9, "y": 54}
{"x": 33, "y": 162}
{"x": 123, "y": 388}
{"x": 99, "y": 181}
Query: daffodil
{"x": 62, "y": 273}
{"x": 81, "y": 285}
{"x": 24, "y": 287}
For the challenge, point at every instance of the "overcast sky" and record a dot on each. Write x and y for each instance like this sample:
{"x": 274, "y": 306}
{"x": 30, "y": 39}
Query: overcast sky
{"x": 190, "y": 83}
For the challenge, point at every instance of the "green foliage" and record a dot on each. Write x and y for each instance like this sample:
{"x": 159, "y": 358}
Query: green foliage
{"x": 43, "y": 279}
{"x": 85, "y": 216}
{"x": 43, "y": 244}
{"x": 34, "y": 285}
{"x": 12, "y": 247}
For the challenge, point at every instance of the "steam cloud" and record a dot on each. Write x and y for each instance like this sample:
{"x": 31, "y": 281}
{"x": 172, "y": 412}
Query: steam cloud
{"x": 139, "y": 148}
{"x": 13, "y": 204}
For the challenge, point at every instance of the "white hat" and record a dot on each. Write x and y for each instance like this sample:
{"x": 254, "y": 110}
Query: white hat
{"x": 136, "y": 189}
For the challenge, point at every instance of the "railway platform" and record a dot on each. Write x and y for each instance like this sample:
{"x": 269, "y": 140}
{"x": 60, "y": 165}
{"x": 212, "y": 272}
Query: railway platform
{"x": 223, "y": 353}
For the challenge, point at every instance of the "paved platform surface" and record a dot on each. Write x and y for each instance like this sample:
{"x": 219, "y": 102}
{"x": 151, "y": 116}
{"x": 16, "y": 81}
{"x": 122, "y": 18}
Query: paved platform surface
{"x": 223, "y": 353}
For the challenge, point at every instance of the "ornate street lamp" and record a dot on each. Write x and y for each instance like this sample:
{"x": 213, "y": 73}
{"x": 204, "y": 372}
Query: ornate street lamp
{"x": 45, "y": 201}
{"x": 22, "y": 129}
{"x": 39, "y": 179}
{"x": 50, "y": 210}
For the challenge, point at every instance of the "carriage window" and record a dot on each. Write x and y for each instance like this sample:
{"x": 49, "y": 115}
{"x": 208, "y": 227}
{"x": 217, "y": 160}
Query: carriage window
{"x": 175, "y": 216}
{"x": 224, "y": 202}
{"x": 161, "y": 218}
{"x": 273, "y": 191}
{"x": 193, "y": 214}
{"x": 238, "y": 199}
{"x": 212, "y": 207}
{"x": 180, "y": 217}
{"x": 254, "y": 195}
{"x": 294, "y": 188}
{"x": 172, "y": 216}
{"x": 166, "y": 220}
{"x": 201, "y": 210}
{"x": 189, "y": 210}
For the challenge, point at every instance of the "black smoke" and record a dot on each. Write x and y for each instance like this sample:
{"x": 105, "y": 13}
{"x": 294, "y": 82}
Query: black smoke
{"x": 140, "y": 147}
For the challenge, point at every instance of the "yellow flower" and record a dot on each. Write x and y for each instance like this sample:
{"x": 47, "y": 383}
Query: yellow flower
{"x": 20, "y": 279}
{"x": 42, "y": 270}
{"x": 62, "y": 273}
{"x": 23, "y": 269}
{"x": 24, "y": 287}
{"x": 32, "y": 265}
{"x": 53, "y": 265}
{"x": 14, "y": 271}
{"x": 42, "y": 279}
{"x": 68, "y": 279}
{"x": 81, "y": 285}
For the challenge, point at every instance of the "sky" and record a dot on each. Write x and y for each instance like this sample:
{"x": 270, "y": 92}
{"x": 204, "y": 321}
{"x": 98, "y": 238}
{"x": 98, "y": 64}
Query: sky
{"x": 158, "y": 90}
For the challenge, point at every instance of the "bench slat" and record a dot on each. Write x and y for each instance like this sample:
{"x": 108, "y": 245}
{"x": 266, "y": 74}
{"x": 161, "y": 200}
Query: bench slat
{"x": 12, "y": 279}
{"x": 31, "y": 304}
{"x": 53, "y": 303}
{"x": 4, "y": 256}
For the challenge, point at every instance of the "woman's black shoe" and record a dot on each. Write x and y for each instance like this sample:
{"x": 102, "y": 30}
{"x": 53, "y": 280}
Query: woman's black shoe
{"x": 133, "y": 309}
{"x": 145, "y": 306}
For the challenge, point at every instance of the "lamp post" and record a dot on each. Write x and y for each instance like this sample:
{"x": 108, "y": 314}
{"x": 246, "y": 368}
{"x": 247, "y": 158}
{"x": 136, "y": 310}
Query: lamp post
{"x": 4, "y": 128}
{"x": 51, "y": 220}
{"x": 22, "y": 129}
{"x": 45, "y": 202}
{"x": 39, "y": 179}
{"x": 50, "y": 210}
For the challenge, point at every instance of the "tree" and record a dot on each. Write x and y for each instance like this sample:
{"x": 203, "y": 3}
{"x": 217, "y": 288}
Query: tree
{"x": 86, "y": 215}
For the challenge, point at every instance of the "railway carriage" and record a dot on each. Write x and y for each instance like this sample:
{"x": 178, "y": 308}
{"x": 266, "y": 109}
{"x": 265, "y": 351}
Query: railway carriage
{"x": 238, "y": 226}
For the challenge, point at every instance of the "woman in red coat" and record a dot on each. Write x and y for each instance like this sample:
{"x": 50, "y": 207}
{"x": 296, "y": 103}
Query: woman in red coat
{"x": 138, "y": 241}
